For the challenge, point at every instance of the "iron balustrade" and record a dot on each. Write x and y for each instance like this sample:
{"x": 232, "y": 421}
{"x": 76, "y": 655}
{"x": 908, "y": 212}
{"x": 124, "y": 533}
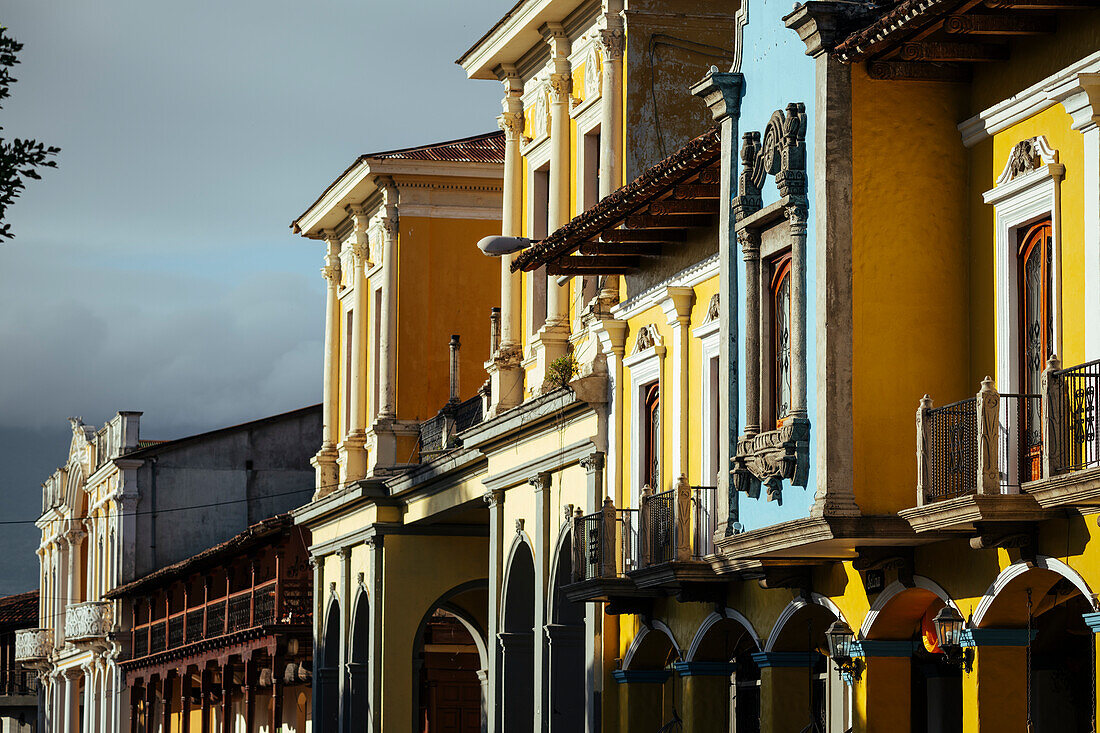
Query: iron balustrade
{"x": 679, "y": 524}
{"x": 953, "y": 432}
{"x": 17, "y": 681}
{"x": 704, "y": 519}
{"x": 266, "y": 604}
{"x": 1020, "y": 440}
{"x": 1075, "y": 419}
{"x": 659, "y": 528}
{"x": 437, "y": 433}
{"x": 606, "y": 544}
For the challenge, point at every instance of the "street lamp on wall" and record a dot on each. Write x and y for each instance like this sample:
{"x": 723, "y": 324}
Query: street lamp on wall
{"x": 839, "y": 637}
{"x": 949, "y": 625}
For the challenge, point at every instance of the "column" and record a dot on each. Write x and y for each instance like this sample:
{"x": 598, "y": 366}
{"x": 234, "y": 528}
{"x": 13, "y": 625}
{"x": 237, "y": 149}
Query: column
{"x": 994, "y": 694}
{"x": 325, "y": 460}
{"x": 346, "y": 596}
{"x": 317, "y": 702}
{"x": 541, "y": 538}
{"x": 505, "y": 373}
{"x": 1092, "y": 620}
{"x": 495, "y": 500}
{"x": 275, "y": 712}
{"x": 375, "y": 678}
{"x": 72, "y": 701}
{"x": 881, "y": 690}
{"x": 227, "y": 698}
{"x": 750, "y": 253}
{"x": 185, "y": 700}
{"x": 88, "y": 698}
{"x": 797, "y": 217}
{"x": 722, "y": 94}
{"x": 566, "y": 688}
{"x": 352, "y": 448}
{"x": 641, "y": 698}
{"x": 249, "y": 689}
{"x": 677, "y": 307}
{"x": 705, "y": 690}
{"x": 784, "y": 689}
{"x": 517, "y": 697}
{"x": 205, "y": 687}
{"x": 611, "y": 119}
{"x": 385, "y": 440}
{"x": 166, "y": 698}
{"x": 595, "y": 496}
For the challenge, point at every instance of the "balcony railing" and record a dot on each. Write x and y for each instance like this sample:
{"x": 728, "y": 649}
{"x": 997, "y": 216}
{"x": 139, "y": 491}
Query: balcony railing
{"x": 1073, "y": 425}
{"x": 605, "y": 544}
{"x": 33, "y": 646}
{"x": 678, "y": 524}
{"x": 18, "y": 682}
{"x": 267, "y": 604}
{"x": 87, "y": 624}
{"x": 988, "y": 444}
{"x": 439, "y": 433}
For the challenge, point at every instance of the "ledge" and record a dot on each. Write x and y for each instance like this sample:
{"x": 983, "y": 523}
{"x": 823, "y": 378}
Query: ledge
{"x": 604, "y": 590}
{"x": 673, "y": 576}
{"x": 962, "y": 513}
{"x": 1078, "y": 488}
{"x": 527, "y": 417}
{"x": 823, "y": 538}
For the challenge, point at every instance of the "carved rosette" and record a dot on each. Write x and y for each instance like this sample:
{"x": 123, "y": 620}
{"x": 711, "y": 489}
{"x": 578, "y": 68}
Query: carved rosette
{"x": 780, "y": 151}
{"x": 772, "y": 457}
{"x": 33, "y": 646}
{"x": 87, "y": 624}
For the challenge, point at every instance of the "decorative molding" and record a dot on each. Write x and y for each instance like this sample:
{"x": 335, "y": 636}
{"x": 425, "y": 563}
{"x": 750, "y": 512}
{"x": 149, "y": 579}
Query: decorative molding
{"x": 713, "y": 309}
{"x": 87, "y": 624}
{"x": 647, "y": 338}
{"x": 1026, "y": 156}
{"x": 652, "y": 296}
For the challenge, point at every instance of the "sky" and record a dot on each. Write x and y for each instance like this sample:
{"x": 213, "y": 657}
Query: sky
{"x": 154, "y": 269}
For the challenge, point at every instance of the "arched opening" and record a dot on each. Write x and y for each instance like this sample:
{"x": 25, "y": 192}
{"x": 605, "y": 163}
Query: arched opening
{"x": 328, "y": 676}
{"x": 935, "y": 687}
{"x": 817, "y": 698}
{"x": 565, "y": 638}
{"x": 727, "y": 640}
{"x": 1060, "y": 676}
{"x": 358, "y": 698}
{"x": 451, "y": 662}
{"x": 654, "y": 650}
{"x": 517, "y": 638}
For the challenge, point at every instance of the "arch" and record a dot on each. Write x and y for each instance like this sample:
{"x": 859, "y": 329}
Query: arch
{"x": 816, "y": 599}
{"x": 359, "y": 638}
{"x": 517, "y": 583}
{"x": 328, "y": 675}
{"x": 1018, "y": 569}
{"x": 640, "y": 640}
{"x": 561, "y": 574}
{"x": 564, "y": 666}
{"x": 74, "y": 486}
{"x": 517, "y": 638}
{"x": 895, "y": 589}
{"x": 728, "y": 614}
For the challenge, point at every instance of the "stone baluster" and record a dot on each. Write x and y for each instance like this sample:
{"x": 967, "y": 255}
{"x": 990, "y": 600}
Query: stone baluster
{"x": 924, "y": 449}
{"x": 682, "y": 519}
{"x": 1051, "y": 389}
{"x": 988, "y": 414}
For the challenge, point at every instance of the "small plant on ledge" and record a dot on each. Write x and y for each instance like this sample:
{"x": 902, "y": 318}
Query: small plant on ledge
{"x": 561, "y": 371}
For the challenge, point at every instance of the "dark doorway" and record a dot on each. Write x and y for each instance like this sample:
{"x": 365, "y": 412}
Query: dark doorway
{"x": 450, "y": 691}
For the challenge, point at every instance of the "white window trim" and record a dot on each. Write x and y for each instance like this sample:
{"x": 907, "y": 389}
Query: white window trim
{"x": 1018, "y": 202}
{"x": 709, "y": 342}
{"x": 645, "y": 369}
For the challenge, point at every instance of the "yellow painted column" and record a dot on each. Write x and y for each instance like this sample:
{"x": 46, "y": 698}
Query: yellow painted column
{"x": 640, "y": 698}
{"x": 995, "y": 686}
{"x": 705, "y": 690}
{"x": 784, "y": 689}
{"x": 1092, "y": 620}
{"x": 881, "y": 689}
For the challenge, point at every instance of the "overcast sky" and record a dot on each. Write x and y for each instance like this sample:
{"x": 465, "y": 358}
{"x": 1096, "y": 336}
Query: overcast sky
{"x": 154, "y": 269}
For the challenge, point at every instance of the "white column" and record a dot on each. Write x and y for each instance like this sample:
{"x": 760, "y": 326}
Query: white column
{"x": 495, "y": 500}
{"x": 354, "y": 453}
{"x": 611, "y": 122}
{"x": 327, "y": 472}
{"x": 677, "y": 307}
{"x": 561, "y": 88}
{"x": 388, "y": 338}
{"x": 541, "y": 536}
{"x": 71, "y": 712}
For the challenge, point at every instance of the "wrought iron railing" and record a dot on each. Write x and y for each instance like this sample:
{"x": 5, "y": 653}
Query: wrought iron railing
{"x": 704, "y": 520}
{"x": 1075, "y": 419}
{"x": 1020, "y": 440}
{"x": 16, "y": 681}
{"x": 605, "y": 544}
{"x": 270, "y": 603}
{"x": 659, "y": 528}
{"x": 678, "y": 524}
{"x": 437, "y": 433}
{"x": 953, "y": 433}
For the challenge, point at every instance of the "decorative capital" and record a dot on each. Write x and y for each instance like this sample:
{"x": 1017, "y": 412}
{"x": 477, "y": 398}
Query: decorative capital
{"x": 721, "y": 92}
{"x": 519, "y": 526}
{"x": 750, "y": 244}
{"x": 612, "y": 42}
{"x": 494, "y": 498}
{"x": 561, "y": 88}
{"x": 798, "y": 215}
{"x": 593, "y": 462}
{"x": 512, "y": 125}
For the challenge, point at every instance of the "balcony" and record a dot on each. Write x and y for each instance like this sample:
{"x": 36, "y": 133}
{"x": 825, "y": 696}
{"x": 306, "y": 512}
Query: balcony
{"x": 677, "y": 532}
{"x": 274, "y": 603}
{"x": 17, "y": 683}
{"x": 1068, "y": 469}
{"x": 605, "y": 549}
{"x": 33, "y": 646}
{"x": 88, "y": 624}
{"x": 973, "y": 457}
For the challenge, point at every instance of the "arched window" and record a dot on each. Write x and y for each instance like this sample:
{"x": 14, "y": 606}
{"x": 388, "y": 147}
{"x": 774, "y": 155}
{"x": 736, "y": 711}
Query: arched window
{"x": 781, "y": 341}
{"x": 651, "y": 472}
{"x": 1036, "y": 328}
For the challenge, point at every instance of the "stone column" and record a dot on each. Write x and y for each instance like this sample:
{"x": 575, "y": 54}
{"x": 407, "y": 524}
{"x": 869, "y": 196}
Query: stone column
{"x": 387, "y": 339}
{"x": 994, "y": 693}
{"x": 750, "y": 252}
{"x": 565, "y": 688}
{"x": 325, "y": 460}
{"x": 784, "y": 687}
{"x": 705, "y": 690}
{"x": 495, "y": 500}
{"x": 677, "y": 308}
{"x": 593, "y": 612}
{"x": 641, "y": 698}
{"x": 561, "y": 90}
{"x": 880, "y": 692}
{"x": 353, "y": 448}
{"x": 375, "y": 677}
{"x": 505, "y": 373}
{"x": 315, "y": 691}
{"x": 989, "y": 433}
{"x": 88, "y": 698}
{"x": 797, "y": 216}
{"x": 722, "y": 94}
{"x": 345, "y": 595}
{"x": 541, "y": 540}
{"x": 611, "y": 42}
{"x": 517, "y": 695}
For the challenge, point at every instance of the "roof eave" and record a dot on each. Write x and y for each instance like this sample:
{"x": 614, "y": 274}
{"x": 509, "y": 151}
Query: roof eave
{"x": 511, "y": 37}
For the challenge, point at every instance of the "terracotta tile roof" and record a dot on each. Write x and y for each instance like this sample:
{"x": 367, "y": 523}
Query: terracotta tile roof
{"x": 694, "y": 156}
{"x": 254, "y": 535}
{"x": 485, "y": 148}
{"x": 892, "y": 22}
{"x": 146, "y": 443}
{"x": 19, "y": 611}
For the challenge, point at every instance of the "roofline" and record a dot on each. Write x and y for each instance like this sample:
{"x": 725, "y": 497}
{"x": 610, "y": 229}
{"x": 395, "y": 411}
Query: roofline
{"x": 170, "y": 444}
{"x": 477, "y": 60}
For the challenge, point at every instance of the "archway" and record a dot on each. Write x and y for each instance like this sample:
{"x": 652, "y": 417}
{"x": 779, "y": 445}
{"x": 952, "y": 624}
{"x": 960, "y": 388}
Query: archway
{"x": 357, "y": 701}
{"x": 649, "y": 693}
{"x": 815, "y": 698}
{"x": 1049, "y": 599}
{"x": 328, "y": 675}
{"x": 565, "y": 637}
{"x": 517, "y": 673}
{"x": 451, "y": 660}
{"x": 729, "y": 639}
{"x": 904, "y": 614}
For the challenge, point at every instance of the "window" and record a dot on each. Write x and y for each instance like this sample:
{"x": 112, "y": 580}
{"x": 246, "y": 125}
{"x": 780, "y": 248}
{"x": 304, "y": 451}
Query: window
{"x": 651, "y": 430}
{"x": 349, "y": 327}
{"x": 780, "y": 338}
{"x": 1035, "y": 328}
{"x": 538, "y": 222}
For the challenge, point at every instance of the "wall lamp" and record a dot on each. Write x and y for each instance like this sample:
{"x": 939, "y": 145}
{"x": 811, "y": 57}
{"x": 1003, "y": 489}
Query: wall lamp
{"x": 949, "y": 627}
{"x": 497, "y": 245}
{"x": 839, "y": 637}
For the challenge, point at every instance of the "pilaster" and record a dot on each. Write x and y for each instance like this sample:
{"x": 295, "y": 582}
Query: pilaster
{"x": 705, "y": 691}
{"x": 541, "y": 537}
{"x": 677, "y": 308}
{"x": 495, "y": 500}
{"x": 352, "y": 450}
{"x": 325, "y": 461}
